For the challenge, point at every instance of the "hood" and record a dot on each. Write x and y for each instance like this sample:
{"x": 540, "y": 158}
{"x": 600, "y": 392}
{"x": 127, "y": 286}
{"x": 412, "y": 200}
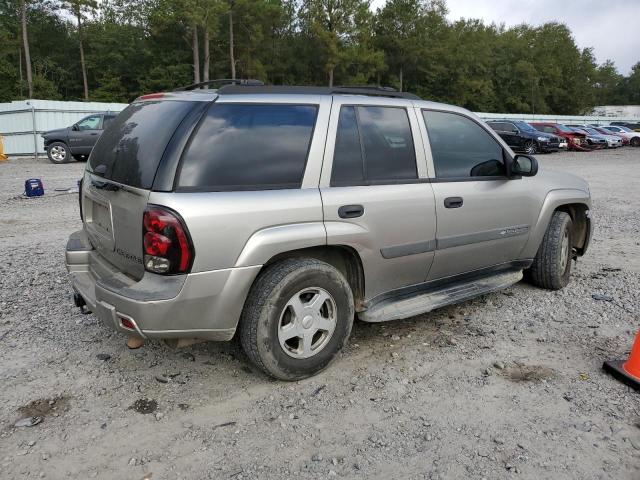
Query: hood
{"x": 58, "y": 131}
{"x": 575, "y": 134}
{"x": 543, "y": 134}
{"x": 557, "y": 180}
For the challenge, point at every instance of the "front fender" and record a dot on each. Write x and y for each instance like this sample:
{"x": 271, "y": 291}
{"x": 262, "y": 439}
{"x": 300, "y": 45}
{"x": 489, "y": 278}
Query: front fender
{"x": 553, "y": 200}
{"x": 269, "y": 242}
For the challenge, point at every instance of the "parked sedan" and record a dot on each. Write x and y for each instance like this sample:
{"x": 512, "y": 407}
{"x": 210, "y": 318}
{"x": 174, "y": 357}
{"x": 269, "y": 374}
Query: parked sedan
{"x": 520, "y": 135}
{"x": 632, "y": 137}
{"x": 596, "y": 136}
{"x": 78, "y": 140}
{"x": 575, "y": 141}
{"x": 635, "y": 126}
{"x": 623, "y": 139}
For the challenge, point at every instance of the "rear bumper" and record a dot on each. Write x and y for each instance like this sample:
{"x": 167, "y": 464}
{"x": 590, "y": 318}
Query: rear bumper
{"x": 199, "y": 305}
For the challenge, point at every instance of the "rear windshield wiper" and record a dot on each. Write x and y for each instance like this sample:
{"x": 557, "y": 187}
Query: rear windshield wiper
{"x": 108, "y": 186}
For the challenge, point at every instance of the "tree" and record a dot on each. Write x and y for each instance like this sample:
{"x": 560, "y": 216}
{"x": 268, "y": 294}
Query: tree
{"x": 80, "y": 8}
{"x": 333, "y": 24}
{"x": 131, "y": 47}
{"x": 25, "y": 45}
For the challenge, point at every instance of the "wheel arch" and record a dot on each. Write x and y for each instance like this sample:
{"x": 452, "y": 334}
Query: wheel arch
{"x": 343, "y": 258}
{"x": 580, "y": 222}
{"x": 577, "y": 204}
{"x": 48, "y": 142}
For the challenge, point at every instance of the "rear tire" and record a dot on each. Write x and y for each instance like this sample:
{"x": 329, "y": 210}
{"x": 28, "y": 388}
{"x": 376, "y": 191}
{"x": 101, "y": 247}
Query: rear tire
{"x": 551, "y": 268}
{"x": 297, "y": 317}
{"x": 58, "y": 152}
{"x": 635, "y": 142}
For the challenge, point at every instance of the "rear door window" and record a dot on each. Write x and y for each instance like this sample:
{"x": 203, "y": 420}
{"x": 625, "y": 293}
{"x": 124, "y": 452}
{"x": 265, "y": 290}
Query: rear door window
{"x": 374, "y": 145}
{"x": 249, "y": 147}
{"x": 129, "y": 151}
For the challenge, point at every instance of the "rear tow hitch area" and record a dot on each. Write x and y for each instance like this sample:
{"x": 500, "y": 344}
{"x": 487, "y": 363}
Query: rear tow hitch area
{"x": 79, "y": 302}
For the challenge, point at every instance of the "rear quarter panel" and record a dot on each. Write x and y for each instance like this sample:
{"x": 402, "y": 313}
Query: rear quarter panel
{"x": 267, "y": 222}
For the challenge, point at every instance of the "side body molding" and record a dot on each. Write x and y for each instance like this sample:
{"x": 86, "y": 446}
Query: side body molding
{"x": 268, "y": 242}
{"x": 553, "y": 200}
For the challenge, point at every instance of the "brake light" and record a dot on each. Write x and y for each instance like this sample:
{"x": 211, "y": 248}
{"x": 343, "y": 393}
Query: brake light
{"x": 150, "y": 96}
{"x": 167, "y": 245}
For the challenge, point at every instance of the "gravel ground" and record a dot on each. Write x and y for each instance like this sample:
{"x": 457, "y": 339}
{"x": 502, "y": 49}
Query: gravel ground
{"x": 507, "y": 385}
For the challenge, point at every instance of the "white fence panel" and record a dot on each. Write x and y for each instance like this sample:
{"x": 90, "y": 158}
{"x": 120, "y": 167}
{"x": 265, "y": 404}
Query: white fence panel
{"x": 528, "y": 117}
{"x": 22, "y": 122}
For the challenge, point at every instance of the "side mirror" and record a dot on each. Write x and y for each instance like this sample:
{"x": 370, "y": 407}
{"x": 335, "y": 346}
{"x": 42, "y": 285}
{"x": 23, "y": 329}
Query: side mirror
{"x": 75, "y": 127}
{"x": 524, "y": 165}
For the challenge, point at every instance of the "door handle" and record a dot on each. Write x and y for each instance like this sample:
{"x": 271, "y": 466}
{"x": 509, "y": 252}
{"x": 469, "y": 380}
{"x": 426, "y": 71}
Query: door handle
{"x": 453, "y": 202}
{"x": 351, "y": 211}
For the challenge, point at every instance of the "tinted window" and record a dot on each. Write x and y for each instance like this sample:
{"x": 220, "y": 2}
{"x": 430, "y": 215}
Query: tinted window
{"x": 379, "y": 135}
{"x": 500, "y": 126}
{"x": 89, "y": 123}
{"x": 461, "y": 148}
{"x": 525, "y": 126}
{"x": 249, "y": 147}
{"x": 348, "y": 167}
{"x": 130, "y": 150}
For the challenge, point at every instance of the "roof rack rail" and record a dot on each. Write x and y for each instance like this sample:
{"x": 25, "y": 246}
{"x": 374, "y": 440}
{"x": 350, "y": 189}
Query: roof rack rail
{"x": 235, "y": 89}
{"x": 374, "y": 90}
{"x": 223, "y": 81}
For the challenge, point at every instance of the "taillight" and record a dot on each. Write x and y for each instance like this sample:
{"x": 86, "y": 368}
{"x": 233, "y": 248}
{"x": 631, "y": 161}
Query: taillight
{"x": 166, "y": 242}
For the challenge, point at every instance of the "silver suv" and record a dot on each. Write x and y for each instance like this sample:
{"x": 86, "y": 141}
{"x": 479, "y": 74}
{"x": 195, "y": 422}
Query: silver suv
{"x": 279, "y": 214}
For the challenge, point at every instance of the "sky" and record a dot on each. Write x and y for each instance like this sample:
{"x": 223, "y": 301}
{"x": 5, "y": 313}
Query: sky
{"x": 610, "y": 27}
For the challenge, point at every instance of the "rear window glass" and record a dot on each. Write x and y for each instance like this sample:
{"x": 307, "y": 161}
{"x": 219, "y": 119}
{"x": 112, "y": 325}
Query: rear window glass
{"x": 249, "y": 147}
{"x": 130, "y": 150}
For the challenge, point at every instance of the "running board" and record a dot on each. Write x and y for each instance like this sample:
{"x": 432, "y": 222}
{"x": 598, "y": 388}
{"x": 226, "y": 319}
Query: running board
{"x": 405, "y": 306}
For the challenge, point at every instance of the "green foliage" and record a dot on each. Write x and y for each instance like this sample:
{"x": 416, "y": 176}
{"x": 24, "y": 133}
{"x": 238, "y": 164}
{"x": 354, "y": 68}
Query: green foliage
{"x": 134, "y": 47}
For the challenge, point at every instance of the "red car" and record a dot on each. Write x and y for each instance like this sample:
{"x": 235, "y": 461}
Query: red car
{"x": 575, "y": 140}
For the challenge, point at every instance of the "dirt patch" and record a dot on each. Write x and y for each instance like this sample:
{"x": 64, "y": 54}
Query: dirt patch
{"x": 528, "y": 373}
{"x": 144, "y": 406}
{"x": 43, "y": 407}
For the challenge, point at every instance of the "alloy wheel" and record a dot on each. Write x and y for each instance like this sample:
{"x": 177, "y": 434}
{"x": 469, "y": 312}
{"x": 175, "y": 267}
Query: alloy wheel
{"x": 58, "y": 153}
{"x": 307, "y": 322}
{"x": 530, "y": 148}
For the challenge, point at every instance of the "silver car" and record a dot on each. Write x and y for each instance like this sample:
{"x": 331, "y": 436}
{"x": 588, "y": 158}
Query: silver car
{"x": 279, "y": 214}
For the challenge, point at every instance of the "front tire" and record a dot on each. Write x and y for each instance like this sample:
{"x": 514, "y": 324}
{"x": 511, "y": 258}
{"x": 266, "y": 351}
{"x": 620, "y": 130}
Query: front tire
{"x": 58, "y": 152}
{"x": 530, "y": 147}
{"x": 551, "y": 268}
{"x": 297, "y": 317}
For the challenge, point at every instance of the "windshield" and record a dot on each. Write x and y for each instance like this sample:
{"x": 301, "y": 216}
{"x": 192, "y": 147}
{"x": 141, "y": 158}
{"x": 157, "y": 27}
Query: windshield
{"x": 525, "y": 126}
{"x": 625, "y": 129}
{"x": 592, "y": 131}
{"x": 564, "y": 128}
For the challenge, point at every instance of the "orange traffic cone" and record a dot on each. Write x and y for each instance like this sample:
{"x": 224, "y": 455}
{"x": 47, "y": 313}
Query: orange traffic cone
{"x": 627, "y": 372}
